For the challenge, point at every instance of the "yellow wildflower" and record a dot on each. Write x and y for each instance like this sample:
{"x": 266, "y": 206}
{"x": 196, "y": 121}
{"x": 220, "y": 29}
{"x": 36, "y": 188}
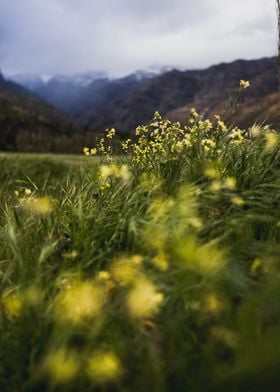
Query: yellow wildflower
{"x": 124, "y": 271}
{"x": 211, "y": 172}
{"x": 237, "y": 201}
{"x": 103, "y": 275}
{"x": 144, "y": 300}
{"x": 225, "y": 335}
{"x": 230, "y": 183}
{"x": 213, "y": 303}
{"x": 215, "y": 186}
{"x": 79, "y": 301}
{"x": 111, "y": 133}
{"x": 160, "y": 261}
{"x": 244, "y": 84}
{"x": 194, "y": 113}
{"x": 12, "y": 304}
{"x": 255, "y": 266}
{"x": 61, "y": 366}
{"x": 86, "y": 150}
{"x": 27, "y": 191}
{"x": 271, "y": 140}
{"x": 38, "y": 205}
{"x": 103, "y": 367}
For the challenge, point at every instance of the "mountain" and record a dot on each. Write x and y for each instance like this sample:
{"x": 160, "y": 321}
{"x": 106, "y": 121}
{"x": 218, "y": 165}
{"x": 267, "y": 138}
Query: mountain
{"x": 260, "y": 103}
{"x": 63, "y": 92}
{"x": 97, "y": 102}
{"x": 31, "y": 82}
{"x": 137, "y": 106}
{"x": 99, "y": 95}
{"x": 27, "y": 123}
{"x": 175, "y": 92}
{"x": 76, "y": 95}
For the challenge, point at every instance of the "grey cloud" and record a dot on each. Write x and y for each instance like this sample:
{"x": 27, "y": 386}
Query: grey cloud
{"x": 119, "y": 36}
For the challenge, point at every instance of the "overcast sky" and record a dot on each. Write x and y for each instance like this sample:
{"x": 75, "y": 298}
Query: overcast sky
{"x": 120, "y": 36}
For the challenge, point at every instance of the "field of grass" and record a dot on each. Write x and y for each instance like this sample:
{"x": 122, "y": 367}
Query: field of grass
{"x": 158, "y": 270}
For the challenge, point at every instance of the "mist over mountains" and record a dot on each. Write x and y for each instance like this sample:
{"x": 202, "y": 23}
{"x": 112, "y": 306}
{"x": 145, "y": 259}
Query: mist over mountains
{"x": 80, "y": 93}
{"x": 90, "y": 102}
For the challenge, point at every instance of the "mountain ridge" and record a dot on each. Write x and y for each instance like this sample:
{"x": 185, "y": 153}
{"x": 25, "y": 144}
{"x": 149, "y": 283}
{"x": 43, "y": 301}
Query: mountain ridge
{"x": 126, "y": 102}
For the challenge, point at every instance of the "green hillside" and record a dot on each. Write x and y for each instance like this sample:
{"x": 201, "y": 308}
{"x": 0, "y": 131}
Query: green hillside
{"x": 29, "y": 124}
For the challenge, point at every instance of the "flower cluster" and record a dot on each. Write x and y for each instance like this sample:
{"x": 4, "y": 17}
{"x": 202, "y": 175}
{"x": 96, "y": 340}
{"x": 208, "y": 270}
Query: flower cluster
{"x": 244, "y": 84}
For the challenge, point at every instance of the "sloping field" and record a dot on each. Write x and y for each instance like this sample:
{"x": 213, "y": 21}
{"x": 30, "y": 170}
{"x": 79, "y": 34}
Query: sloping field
{"x": 157, "y": 270}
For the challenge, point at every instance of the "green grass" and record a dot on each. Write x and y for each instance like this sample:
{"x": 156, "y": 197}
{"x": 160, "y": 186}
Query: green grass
{"x": 156, "y": 271}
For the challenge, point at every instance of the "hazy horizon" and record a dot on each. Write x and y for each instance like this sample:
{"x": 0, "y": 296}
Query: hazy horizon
{"x": 63, "y": 37}
{"x": 157, "y": 70}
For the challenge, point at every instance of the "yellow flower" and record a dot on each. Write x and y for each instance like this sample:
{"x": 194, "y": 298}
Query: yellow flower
{"x": 237, "y": 201}
{"x": 86, "y": 150}
{"x": 144, "y": 300}
{"x": 79, "y": 301}
{"x": 106, "y": 171}
{"x": 221, "y": 125}
{"x": 208, "y": 144}
{"x": 230, "y": 183}
{"x": 255, "y": 266}
{"x": 215, "y": 186}
{"x": 125, "y": 144}
{"x": 271, "y": 140}
{"x": 27, "y": 191}
{"x": 38, "y": 205}
{"x": 211, "y": 172}
{"x": 225, "y": 335}
{"x": 136, "y": 259}
{"x": 111, "y": 133}
{"x": 244, "y": 83}
{"x": 103, "y": 275}
{"x": 213, "y": 303}
{"x": 160, "y": 261}
{"x": 194, "y": 113}
{"x": 205, "y": 260}
{"x": 124, "y": 271}
{"x": 12, "y": 304}
{"x": 124, "y": 173}
{"x": 103, "y": 367}
{"x": 61, "y": 366}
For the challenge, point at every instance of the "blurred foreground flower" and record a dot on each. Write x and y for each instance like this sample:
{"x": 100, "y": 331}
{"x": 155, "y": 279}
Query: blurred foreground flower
{"x": 38, "y": 205}
{"x": 109, "y": 171}
{"x": 124, "y": 271}
{"x": 144, "y": 299}
{"x": 237, "y": 201}
{"x": 271, "y": 139}
{"x": 12, "y": 304}
{"x": 104, "y": 367}
{"x": 61, "y": 366}
{"x": 79, "y": 301}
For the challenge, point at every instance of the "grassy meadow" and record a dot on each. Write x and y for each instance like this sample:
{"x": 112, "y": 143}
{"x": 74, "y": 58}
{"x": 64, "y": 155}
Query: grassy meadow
{"x": 154, "y": 270}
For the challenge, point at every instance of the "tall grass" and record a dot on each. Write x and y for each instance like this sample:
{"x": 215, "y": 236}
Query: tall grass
{"x": 157, "y": 270}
